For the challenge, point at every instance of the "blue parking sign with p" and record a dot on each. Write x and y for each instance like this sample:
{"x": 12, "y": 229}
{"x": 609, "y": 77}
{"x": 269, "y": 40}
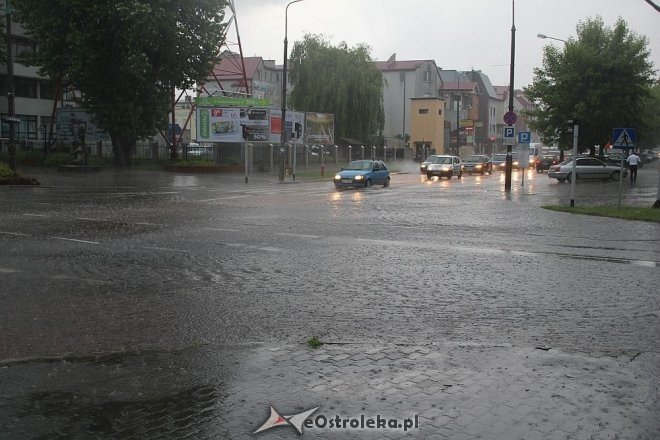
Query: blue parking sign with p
{"x": 524, "y": 137}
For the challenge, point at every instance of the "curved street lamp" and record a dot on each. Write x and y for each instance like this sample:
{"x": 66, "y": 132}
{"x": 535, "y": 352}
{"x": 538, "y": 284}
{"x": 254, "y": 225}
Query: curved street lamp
{"x": 283, "y": 138}
{"x": 544, "y": 36}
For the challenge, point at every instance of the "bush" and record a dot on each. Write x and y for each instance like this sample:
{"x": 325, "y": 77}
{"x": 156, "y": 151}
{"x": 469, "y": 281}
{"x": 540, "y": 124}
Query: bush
{"x": 30, "y": 157}
{"x": 57, "y": 159}
{"x": 5, "y": 171}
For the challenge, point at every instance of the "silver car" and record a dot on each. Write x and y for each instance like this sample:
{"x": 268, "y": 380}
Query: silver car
{"x": 586, "y": 168}
{"x": 445, "y": 166}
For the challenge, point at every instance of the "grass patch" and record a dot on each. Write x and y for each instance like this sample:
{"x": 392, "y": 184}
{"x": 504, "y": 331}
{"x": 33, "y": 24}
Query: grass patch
{"x": 626, "y": 212}
{"x": 314, "y": 342}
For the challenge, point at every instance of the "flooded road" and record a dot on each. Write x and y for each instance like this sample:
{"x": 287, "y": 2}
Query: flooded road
{"x": 153, "y": 305}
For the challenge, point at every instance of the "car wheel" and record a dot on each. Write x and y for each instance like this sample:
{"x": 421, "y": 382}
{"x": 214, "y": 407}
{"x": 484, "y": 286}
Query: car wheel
{"x": 615, "y": 176}
{"x": 460, "y": 175}
{"x": 386, "y": 184}
{"x": 569, "y": 177}
{"x": 367, "y": 184}
{"x": 483, "y": 171}
{"x": 429, "y": 175}
{"x": 449, "y": 176}
{"x": 561, "y": 180}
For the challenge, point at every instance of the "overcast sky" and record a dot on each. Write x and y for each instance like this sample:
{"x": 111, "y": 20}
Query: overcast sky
{"x": 462, "y": 34}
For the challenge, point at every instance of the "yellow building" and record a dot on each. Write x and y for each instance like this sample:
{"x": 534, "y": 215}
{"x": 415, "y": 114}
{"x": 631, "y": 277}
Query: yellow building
{"x": 427, "y": 123}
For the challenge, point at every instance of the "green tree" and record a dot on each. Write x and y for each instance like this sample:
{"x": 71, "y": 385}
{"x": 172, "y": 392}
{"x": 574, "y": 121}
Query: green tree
{"x": 602, "y": 77}
{"x": 649, "y": 130}
{"x": 339, "y": 80}
{"x": 125, "y": 56}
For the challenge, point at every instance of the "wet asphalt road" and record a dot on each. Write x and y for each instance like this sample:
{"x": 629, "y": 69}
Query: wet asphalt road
{"x": 149, "y": 262}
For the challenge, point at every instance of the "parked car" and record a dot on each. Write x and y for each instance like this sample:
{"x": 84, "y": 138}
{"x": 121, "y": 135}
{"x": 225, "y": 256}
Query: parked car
{"x": 478, "y": 163}
{"x": 363, "y": 173}
{"x": 586, "y": 168}
{"x": 448, "y": 166}
{"x": 544, "y": 162}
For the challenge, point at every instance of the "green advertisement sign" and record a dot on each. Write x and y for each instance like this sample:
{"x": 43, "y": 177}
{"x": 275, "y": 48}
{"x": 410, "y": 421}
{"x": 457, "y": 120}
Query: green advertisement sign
{"x": 223, "y": 101}
{"x": 204, "y": 124}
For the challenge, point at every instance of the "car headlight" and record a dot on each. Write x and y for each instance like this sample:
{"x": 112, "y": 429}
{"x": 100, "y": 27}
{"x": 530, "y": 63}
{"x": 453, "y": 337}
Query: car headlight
{"x": 515, "y": 163}
{"x": 423, "y": 165}
{"x": 337, "y": 177}
{"x": 360, "y": 177}
{"x": 477, "y": 166}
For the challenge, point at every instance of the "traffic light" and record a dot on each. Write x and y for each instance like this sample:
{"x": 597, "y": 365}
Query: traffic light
{"x": 246, "y": 132}
{"x": 298, "y": 129}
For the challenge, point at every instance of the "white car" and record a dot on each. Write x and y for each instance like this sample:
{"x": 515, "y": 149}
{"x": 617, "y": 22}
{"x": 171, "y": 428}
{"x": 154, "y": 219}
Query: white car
{"x": 448, "y": 166}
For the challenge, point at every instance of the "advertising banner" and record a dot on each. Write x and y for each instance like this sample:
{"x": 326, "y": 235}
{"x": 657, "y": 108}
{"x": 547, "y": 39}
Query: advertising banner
{"x": 319, "y": 129}
{"x": 292, "y": 118}
{"x": 73, "y": 123}
{"x": 225, "y": 124}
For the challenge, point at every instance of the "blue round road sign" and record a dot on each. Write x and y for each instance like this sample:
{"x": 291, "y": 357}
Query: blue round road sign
{"x": 510, "y": 118}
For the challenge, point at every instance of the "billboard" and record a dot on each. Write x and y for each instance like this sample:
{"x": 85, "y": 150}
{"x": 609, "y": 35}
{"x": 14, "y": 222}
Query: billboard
{"x": 319, "y": 129}
{"x": 225, "y": 124}
{"x": 73, "y": 123}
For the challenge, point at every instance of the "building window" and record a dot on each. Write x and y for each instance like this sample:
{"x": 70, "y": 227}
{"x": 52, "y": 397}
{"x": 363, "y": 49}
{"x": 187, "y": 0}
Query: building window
{"x": 423, "y": 111}
{"x": 23, "y": 46}
{"x": 427, "y": 76}
{"x": 46, "y": 90}
{"x": 26, "y": 129}
{"x": 26, "y": 87}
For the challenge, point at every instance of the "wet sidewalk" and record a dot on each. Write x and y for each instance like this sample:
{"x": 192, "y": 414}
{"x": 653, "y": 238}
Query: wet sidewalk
{"x": 456, "y": 392}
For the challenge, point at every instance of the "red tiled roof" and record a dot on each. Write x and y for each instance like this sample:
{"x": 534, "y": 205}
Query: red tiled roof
{"x": 230, "y": 67}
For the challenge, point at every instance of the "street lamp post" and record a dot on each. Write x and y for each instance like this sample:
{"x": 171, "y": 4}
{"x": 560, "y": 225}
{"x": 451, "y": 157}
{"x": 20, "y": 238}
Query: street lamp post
{"x": 544, "y": 36}
{"x": 283, "y": 138}
{"x": 350, "y": 154}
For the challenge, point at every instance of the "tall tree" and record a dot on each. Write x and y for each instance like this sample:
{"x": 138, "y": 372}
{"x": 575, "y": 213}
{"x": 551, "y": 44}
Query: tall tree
{"x": 339, "y": 80}
{"x": 602, "y": 78}
{"x": 125, "y": 56}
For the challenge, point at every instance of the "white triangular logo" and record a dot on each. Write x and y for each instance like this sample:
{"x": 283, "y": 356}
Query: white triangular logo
{"x": 623, "y": 140}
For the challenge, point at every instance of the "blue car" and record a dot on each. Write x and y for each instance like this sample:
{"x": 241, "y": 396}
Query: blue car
{"x": 363, "y": 173}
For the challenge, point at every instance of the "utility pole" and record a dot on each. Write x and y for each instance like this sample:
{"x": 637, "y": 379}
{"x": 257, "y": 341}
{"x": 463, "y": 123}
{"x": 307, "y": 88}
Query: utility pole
{"x": 11, "y": 110}
{"x": 509, "y": 160}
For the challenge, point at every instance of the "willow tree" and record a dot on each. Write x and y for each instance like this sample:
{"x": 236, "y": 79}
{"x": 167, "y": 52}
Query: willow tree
{"x": 339, "y": 80}
{"x": 602, "y": 77}
{"x": 126, "y": 57}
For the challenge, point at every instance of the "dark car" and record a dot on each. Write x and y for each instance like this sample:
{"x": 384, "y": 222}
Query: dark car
{"x": 544, "y": 162}
{"x": 478, "y": 163}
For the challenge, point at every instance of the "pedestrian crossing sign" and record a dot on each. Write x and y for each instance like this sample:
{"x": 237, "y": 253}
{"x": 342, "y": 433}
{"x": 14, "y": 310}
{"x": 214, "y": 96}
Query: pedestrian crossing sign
{"x": 623, "y": 138}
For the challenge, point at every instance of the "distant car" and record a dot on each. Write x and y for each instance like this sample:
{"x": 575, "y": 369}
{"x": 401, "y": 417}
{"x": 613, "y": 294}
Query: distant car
{"x": 499, "y": 161}
{"x": 199, "y": 151}
{"x": 363, "y": 173}
{"x": 585, "y": 168}
{"x": 477, "y": 163}
{"x": 544, "y": 162}
{"x": 447, "y": 166}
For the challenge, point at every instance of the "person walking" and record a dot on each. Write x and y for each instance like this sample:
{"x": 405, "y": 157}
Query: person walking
{"x": 633, "y": 163}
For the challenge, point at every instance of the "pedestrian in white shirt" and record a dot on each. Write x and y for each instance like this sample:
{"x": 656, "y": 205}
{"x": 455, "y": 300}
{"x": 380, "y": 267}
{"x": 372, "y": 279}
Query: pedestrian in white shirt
{"x": 633, "y": 163}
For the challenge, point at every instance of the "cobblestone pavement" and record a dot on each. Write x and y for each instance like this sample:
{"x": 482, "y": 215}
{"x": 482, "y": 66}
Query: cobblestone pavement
{"x": 457, "y": 392}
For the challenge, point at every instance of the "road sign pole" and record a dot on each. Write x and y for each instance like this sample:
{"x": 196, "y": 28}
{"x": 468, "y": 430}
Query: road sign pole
{"x": 620, "y": 183}
{"x": 576, "y": 128}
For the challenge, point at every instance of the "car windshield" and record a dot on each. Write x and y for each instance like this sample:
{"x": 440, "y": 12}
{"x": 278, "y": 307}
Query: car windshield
{"x": 441, "y": 159}
{"x": 359, "y": 165}
{"x": 479, "y": 159}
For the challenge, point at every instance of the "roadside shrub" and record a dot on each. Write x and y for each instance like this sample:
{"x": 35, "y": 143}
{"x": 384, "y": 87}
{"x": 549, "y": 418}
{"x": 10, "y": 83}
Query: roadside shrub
{"x": 57, "y": 159}
{"x": 30, "y": 157}
{"x": 5, "y": 171}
